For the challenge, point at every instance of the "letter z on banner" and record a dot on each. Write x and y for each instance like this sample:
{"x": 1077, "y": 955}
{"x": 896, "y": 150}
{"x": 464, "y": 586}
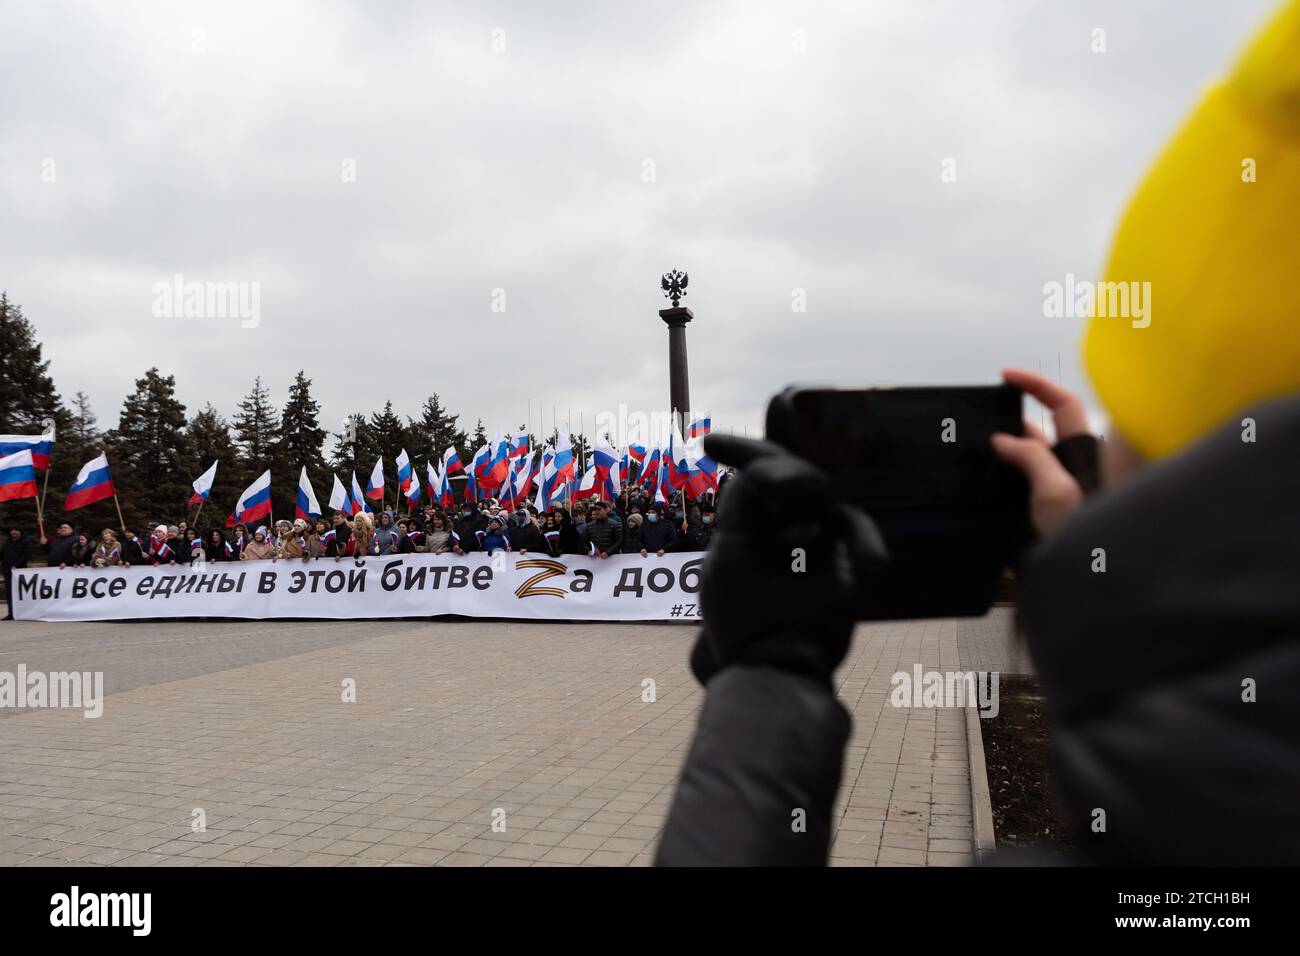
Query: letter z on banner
{"x": 625, "y": 587}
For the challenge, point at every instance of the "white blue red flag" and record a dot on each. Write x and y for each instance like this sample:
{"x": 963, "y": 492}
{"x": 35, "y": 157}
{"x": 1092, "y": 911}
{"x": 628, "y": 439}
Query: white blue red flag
{"x": 254, "y": 503}
{"x": 93, "y": 484}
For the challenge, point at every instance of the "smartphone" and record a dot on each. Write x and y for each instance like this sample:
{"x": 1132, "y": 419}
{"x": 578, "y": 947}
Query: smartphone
{"x": 919, "y": 462}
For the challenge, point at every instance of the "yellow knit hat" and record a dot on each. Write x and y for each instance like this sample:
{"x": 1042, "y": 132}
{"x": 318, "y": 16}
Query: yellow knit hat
{"x": 1222, "y": 255}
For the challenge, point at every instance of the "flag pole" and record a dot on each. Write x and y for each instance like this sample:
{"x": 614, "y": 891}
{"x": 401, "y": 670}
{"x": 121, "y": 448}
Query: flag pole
{"x": 40, "y": 520}
{"x": 40, "y": 505}
{"x": 199, "y": 512}
{"x": 120, "y": 519}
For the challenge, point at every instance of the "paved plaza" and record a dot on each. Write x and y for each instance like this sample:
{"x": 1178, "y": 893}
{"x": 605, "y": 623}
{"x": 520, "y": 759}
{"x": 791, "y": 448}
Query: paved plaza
{"x": 540, "y": 729}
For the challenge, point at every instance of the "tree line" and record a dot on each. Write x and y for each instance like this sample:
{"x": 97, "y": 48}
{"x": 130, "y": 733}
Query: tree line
{"x": 157, "y": 448}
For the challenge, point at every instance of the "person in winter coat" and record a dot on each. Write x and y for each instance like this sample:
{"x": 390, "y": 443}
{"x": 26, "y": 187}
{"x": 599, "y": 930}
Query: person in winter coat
{"x": 363, "y": 530}
{"x": 108, "y": 553}
{"x": 58, "y": 551}
{"x": 216, "y": 548}
{"x": 525, "y": 535}
{"x": 293, "y": 542}
{"x": 17, "y": 551}
{"x": 495, "y": 538}
{"x": 338, "y": 543}
{"x": 160, "y": 548}
{"x": 386, "y": 538}
{"x": 260, "y": 548}
{"x": 437, "y": 534}
{"x": 466, "y": 529}
{"x": 657, "y": 535}
{"x": 83, "y": 552}
{"x": 632, "y": 533}
{"x": 135, "y": 551}
{"x": 605, "y": 535}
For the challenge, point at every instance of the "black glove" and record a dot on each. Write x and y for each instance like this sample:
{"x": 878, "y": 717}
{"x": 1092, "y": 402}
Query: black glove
{"x": 1078, "y": 454}
{"x": 758, "y": 608}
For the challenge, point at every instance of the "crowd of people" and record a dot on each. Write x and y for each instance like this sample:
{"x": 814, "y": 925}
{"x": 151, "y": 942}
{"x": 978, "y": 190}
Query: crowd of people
{"x": 629, "y": 525}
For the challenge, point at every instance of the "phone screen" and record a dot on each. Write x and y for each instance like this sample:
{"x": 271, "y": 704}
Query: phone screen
{"x": 919, "y": 461}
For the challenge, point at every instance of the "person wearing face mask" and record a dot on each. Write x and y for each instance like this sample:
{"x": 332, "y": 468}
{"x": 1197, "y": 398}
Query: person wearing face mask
{"x": 657, "y": 535}
{"x": 525, "y": 536}
{"x": 466, "y": 528}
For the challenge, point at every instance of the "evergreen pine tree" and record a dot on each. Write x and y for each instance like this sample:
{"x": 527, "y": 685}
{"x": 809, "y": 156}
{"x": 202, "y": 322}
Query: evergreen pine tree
{"x": 388, "y": 434}
{"x": 429, "y": 436}
{"x": 209, "y": 441}
{"x": 256, "y": 428}
{"x": 28, "y": 403}
{"x": 301, "y": 441}
{"x": 149, "y": 452}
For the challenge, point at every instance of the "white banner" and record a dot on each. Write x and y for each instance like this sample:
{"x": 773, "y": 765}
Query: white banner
{"x": 624, "y": 587}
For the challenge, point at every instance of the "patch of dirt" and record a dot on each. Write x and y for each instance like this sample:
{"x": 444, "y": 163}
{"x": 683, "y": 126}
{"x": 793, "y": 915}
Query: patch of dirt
{"x": 1025, "y": 811}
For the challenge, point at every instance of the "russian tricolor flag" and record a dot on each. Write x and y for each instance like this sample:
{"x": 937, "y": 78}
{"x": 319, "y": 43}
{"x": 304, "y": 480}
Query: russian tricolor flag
{"x": 375, "y": 490}
{"x": 451, "y": 462}
{"x": 676, "y": 471}
{"x": 93, "y": 484}
{"x": 38, "y": 445}
{"x": 306, "y": 506}
{"x": 404, "y": 473}
{"x": 358, "y": 499}
{"x": 521, "y": 444}
{"x": 254, "y": 503}
{"x": 435, "y": 482}
{"x": 497, "y": 469}
{"x": 702, "y": 470}
{"x": 606, "y": 462}
{"x": 587, "y": 489}
{"x": 650, "y": 472}
{"x": 700, "y": 427}
{"x": 563, "y": 464}
{"x": 339, "y": 499}
{"x": 17, "y": 476}
{"x": 203, "y": 485}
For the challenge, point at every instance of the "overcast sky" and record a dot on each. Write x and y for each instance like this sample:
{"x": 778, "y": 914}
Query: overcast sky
{"x": 789, "y": 146}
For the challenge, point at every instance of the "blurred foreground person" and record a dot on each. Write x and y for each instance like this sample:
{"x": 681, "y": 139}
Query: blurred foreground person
{"x": 1170, "y": 675}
